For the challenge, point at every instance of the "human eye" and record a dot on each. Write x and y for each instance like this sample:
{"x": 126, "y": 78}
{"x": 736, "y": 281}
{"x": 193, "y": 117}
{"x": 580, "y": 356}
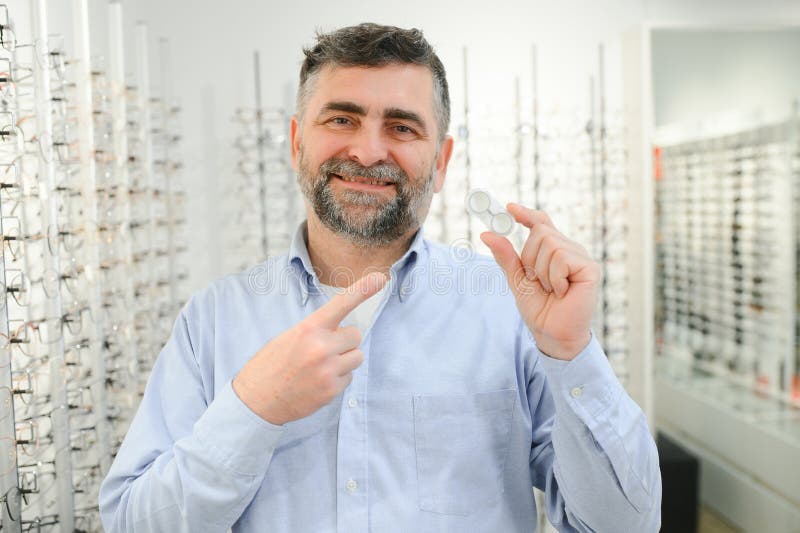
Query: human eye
{"x": 403, "y": 129}
{"x": 340, "y": 121}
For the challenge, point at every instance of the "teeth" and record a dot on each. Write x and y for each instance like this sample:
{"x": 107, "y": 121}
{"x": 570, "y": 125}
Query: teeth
{"x": 371, "y": 182}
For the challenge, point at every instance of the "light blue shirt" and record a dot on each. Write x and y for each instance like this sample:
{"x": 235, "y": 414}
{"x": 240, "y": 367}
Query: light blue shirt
{"x": 451, "y": 419}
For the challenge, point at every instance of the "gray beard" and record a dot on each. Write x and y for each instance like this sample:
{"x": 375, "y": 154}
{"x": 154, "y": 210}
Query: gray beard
{"x": 367, "y": 220}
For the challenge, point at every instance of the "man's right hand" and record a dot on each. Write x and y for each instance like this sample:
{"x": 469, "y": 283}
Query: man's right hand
{"x": 305, "y": 367}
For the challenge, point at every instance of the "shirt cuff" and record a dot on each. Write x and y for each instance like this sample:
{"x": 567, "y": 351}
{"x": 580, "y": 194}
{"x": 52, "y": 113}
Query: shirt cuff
{"x": 586, "y": 384}
{"x": 236, "y": 436}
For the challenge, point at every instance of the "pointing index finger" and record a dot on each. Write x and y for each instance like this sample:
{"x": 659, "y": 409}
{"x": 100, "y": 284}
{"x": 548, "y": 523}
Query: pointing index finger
{"x": 332, "y": 313}
{"x": 529, "y": 217}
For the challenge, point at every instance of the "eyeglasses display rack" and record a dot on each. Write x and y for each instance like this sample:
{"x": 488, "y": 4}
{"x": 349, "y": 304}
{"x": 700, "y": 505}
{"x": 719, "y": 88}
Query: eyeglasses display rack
{"x": 262, "y": 170}
{"x": 727, "y": 256}
{"x": 93, "y": 265}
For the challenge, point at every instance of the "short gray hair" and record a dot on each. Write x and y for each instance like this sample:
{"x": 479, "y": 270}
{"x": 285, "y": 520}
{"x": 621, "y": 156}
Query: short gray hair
{"x": 372, "y": 45}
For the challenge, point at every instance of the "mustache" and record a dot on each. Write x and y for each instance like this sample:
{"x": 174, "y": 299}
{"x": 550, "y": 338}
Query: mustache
{"x": 381, "y": 171}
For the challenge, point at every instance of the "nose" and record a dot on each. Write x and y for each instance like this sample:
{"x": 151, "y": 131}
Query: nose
{"x": 369, "y": 146}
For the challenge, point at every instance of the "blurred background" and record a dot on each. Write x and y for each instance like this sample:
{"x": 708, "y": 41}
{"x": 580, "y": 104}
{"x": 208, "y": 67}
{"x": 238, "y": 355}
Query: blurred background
{"x": 143, "y": 154}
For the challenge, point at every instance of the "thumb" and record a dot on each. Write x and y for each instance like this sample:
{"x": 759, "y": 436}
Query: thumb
{"x": 505, "y": 255}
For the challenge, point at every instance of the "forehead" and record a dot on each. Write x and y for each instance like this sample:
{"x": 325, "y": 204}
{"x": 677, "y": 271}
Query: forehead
{"x": 394, "y": 85}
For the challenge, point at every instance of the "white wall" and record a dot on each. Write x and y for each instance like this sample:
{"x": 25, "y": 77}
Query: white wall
{"x": 698, "y": 73}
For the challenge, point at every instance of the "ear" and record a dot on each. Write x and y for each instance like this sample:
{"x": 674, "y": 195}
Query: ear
{"x": 294, "y": 133}
{"x": 445, "y": 151}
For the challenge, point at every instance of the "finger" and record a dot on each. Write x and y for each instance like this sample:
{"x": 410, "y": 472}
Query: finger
{"x": 529, "y": 217}
{"x": 506, "y": 257}
{"x": 344, "y": 381}
{"x": 530, "y": 250}
{"x": 549, "y": 244}
{"x": 559, "y": 272}
{"x": 332, "y": 313}
{"x": 533, "y": 247}
{"x": 546, "y": 250}
{"x": 568, "y": 267}
{"x": 345, "y": 339}
{"x": 349, "y": 361}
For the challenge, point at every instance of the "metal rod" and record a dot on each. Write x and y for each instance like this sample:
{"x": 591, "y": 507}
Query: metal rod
{"x": 517, "y": 139}
{"x": 11, "y": 506}
{"x": 591, "y": 130}
{"x": 790, "y": 253}
{"x": 260, "y": 140}
{"x": 535, "y": 128}
{"x": 518, "y": 152}
{"x": 150, "y": 308}
{"x": 166, "y": 100}
{"x": 794, "y": 147}
{"x": 47, "y": 182}
{"x": 603, "y": 146}
{"x": 119, "y": 113}
{"x": 89, "y": 184}
{"x": 467, "y": 163}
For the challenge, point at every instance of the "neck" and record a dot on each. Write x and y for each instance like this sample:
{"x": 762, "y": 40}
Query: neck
{"x": 339, "y": 262}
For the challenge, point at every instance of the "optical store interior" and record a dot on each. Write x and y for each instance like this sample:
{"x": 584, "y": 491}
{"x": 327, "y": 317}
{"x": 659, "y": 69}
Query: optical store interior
{"x": 145, "y": 152}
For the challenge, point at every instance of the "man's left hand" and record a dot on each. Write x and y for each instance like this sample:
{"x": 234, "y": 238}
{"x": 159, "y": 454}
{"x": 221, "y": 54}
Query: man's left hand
{"x": 554, "y": 282}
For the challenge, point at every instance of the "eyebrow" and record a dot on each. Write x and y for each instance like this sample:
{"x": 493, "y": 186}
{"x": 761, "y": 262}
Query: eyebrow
{"x": 392, "y": 112}
{"x": 346, "y": 107}
{"x": 403, "y": 114}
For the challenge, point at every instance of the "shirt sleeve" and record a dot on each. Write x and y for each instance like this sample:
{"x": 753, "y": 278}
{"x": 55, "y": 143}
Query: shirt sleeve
{"x": 186, "y": 464}
{"x": 592, "y": 453}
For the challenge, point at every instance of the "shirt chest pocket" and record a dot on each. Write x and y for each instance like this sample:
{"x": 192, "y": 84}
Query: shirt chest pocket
{"x": 461, "y": 443}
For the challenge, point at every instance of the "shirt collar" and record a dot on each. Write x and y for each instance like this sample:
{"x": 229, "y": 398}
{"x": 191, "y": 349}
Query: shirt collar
{"x": 298, "y": 257}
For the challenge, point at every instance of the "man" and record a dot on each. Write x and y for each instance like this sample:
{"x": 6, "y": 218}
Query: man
{"x": 447, "y": 398}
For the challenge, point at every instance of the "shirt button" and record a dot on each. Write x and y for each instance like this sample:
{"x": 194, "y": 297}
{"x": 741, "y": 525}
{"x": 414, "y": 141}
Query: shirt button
{"x": 352, "y": 402}
{"x": 576, "y": 392}
{"x": 351, "y": 485}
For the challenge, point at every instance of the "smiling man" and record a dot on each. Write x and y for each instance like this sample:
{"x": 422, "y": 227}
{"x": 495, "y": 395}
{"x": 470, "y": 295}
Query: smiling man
{"x": 370, "y": 380}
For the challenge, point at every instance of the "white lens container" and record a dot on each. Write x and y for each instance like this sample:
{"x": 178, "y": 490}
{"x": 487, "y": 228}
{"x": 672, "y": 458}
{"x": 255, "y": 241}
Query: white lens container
{"x": 493, "y": 215}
